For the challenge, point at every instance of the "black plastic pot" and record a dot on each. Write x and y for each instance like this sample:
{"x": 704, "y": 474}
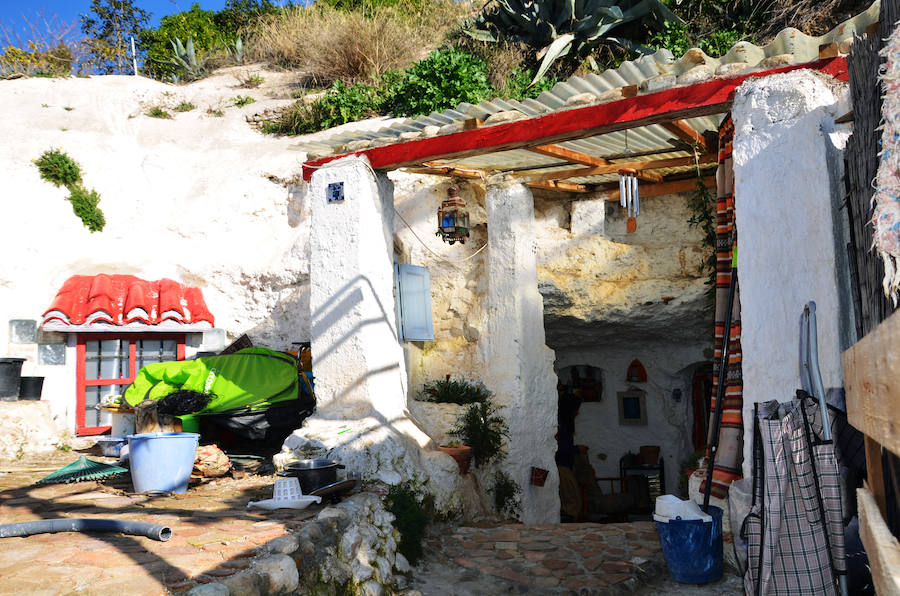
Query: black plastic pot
{"x": 30, "y": 388}
{"x": 313, "y": 473}
{"x": 10, "y": 377}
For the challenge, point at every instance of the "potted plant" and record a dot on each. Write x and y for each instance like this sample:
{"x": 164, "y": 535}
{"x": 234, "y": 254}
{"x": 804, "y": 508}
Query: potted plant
{"x": 459, "y": 452}
{"x": 482, "y": 429}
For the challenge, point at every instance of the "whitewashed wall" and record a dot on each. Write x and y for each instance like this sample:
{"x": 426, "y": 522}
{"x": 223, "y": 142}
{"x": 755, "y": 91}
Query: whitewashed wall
{"x": 669, "y": 366}
{"x": 785, "y": 163}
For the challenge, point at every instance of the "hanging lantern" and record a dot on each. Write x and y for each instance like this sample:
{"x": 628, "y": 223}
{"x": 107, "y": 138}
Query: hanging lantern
{"x": 629, "y": 197}
{"x": 453, "y": 218}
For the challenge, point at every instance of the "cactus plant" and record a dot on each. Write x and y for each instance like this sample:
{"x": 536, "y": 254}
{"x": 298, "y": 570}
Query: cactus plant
{"x": 560, "y": 27}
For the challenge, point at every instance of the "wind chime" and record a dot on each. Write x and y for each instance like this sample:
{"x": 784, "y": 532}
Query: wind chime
{"x": 453, "y": 218}
{"x": 629, "y": 197}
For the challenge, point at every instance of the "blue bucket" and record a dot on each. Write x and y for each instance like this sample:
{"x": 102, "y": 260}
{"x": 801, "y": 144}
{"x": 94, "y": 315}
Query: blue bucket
{"x": 162, "y": 462}
{"x": 693, "y": 548}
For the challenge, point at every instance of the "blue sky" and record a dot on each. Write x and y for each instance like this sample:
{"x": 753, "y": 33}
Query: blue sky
{"x": 14, "y": 13}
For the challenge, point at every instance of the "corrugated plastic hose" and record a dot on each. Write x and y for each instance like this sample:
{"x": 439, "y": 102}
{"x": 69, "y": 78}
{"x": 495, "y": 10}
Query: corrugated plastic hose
{"x": 52, "y": 526}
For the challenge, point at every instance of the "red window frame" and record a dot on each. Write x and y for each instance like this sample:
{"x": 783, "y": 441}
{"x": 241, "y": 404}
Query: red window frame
{"x": 81, "y": 365}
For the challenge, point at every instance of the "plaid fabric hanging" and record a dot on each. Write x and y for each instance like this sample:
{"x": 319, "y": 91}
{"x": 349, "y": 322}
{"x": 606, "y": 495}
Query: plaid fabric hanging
{"x": 729, "y": 454}
{"x": 794, "y": 530}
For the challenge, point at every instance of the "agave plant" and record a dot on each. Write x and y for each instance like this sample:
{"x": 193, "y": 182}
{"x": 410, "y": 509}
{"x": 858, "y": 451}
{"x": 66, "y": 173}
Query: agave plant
{"x": 561, "y": 27}
{"x": 185, "y": 58}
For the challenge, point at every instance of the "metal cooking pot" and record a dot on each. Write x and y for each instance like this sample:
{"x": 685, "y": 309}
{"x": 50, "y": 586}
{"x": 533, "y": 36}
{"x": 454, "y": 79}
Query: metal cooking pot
{"x": 313, "y": 473}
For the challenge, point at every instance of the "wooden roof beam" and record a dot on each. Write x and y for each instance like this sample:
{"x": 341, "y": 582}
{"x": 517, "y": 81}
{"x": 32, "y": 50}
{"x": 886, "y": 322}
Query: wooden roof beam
{"x": 641, "y": 166}
{"x": 686, "y": 133}
{"x": 479, "y": 175}
{"x": 655, "y": 190}
{"x": 568, "y": 155}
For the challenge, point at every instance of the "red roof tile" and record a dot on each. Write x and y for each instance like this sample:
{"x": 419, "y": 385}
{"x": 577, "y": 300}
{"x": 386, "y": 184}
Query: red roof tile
{"x": 86, "y": 300}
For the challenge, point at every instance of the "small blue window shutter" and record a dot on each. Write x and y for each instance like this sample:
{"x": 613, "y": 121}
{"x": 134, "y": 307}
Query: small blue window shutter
{"x": 415, "y": 303}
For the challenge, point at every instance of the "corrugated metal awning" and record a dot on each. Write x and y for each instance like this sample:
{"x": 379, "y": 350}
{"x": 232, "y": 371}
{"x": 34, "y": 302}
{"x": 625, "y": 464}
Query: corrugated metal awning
{"x": 539, "y": 139}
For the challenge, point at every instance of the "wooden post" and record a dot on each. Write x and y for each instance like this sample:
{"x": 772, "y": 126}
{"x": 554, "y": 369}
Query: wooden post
{"x": 876, "y": 473}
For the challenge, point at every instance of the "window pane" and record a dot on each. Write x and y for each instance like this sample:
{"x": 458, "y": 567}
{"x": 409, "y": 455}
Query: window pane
{"x": 169, "y": 347}
{"x": 109, "y": 367}
{"x": 92, "y": 360}
{"x": 92, "y": 406}
{"x": 110, "y": 347}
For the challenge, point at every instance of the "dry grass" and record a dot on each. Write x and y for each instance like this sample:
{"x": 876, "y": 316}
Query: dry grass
{"x": 329, "y": 45}
{"x": 813, "y": 17}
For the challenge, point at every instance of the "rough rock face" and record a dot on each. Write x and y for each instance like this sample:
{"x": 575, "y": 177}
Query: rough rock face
{"x": 201, "y": 199}
{"x": 645, "y": 286}
{"x": 599, "y": 284}
{"x": 26, "y": 429}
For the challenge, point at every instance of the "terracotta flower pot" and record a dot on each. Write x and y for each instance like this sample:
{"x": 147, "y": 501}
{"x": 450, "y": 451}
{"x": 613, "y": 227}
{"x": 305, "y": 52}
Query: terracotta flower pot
{"x": 538, "y": 476}
{"x": 462, "y": 455}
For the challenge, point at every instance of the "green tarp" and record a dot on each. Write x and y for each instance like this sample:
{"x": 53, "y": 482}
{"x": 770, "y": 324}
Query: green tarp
{"x": 251, "y": 379}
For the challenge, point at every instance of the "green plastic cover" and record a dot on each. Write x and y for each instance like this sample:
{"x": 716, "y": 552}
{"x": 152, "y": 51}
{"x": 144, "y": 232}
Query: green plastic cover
{"x": 250, "y": 379}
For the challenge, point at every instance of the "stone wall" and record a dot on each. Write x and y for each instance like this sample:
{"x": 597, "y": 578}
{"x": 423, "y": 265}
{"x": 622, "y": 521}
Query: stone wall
{"x": 347, "y": 549}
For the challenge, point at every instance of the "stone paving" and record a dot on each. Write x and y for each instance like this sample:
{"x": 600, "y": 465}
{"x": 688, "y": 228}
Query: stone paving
{"x": 214, "y": 534}
{"x": 542, "y": 559}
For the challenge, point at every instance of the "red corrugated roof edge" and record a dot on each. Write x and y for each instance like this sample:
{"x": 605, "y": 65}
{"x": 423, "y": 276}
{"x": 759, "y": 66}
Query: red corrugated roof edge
{"x": 124, "y": 299}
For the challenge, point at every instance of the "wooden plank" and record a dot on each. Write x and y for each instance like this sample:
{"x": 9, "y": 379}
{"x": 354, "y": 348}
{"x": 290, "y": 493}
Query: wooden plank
{"x": 479, "y": 175}
{"x": 678, "y": 103}
{"x": 665, "y": 188}
{"x": 872, "y": 383}
{"x": 875, "y": 471}
{"x": 613, "y": 168}
{"x": 881, "y": 547}
{"x": 568, "y": 155}
{"x": 686, "y": 133}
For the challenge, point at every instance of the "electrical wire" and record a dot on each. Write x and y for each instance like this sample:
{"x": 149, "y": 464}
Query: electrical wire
{"x": 442, "y": 258}
{"x": 422, "y": 242}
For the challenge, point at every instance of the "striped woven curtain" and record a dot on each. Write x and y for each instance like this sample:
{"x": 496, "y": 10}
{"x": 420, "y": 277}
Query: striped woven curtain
{"x": 729, "y": 454}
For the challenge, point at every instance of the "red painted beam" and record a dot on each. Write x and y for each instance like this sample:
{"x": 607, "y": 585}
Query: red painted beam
{"x": 702, "y": 99}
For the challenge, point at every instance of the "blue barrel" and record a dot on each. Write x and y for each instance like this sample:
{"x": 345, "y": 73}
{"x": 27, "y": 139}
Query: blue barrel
{"x": 693, "y": 548}
{"x": 162, "y": 462}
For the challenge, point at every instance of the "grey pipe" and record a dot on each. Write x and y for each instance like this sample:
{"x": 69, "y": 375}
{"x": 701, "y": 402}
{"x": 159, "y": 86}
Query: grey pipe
{"x": 52, "y": 526}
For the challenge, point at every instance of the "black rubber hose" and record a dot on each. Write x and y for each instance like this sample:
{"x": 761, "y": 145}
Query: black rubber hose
{"x": 52, "y": 526}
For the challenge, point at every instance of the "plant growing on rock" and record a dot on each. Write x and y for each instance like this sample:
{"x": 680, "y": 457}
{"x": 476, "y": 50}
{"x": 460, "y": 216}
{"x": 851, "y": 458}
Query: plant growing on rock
{"x": 557, "y": 28}
{"x": 505, "y": 493}
{"x": 84, "y": 204}
{"x": 483, "y": 429}
{"x": 158, "y": 112}
{"x": 454, "y": 391}
{"x": 410, "y": 518}
{"x": 57, "y": 167}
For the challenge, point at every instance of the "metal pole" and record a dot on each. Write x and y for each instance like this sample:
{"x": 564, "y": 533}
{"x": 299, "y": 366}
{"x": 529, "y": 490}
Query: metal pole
{"x": 133, "y": 57}
{"x": 720, "y": 389}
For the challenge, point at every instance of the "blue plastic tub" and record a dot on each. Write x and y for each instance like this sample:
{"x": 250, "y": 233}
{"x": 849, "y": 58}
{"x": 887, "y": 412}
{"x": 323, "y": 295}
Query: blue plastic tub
{"x": 693, "y": 548}
{"x": 162, "y": 462}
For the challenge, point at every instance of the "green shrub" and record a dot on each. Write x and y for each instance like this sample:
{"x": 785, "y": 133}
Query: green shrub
{"x": 242, "y": 100}
{"x": 158, "y": 112}
{"x": 452, "y": 391}
{"x": 341, "y": 104}
{"x": 84, "y": 204}
{"x": 185, "y": 106}
{"x": 57, "y": 167}
{"x": 717, "y": 43}
{"x": 517, "y": 84}
{"x": 410, "y": 519}
{"x": 481, "y": 428}
{"x": 505, "y": 493}
{"x": 443, "y": 80}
